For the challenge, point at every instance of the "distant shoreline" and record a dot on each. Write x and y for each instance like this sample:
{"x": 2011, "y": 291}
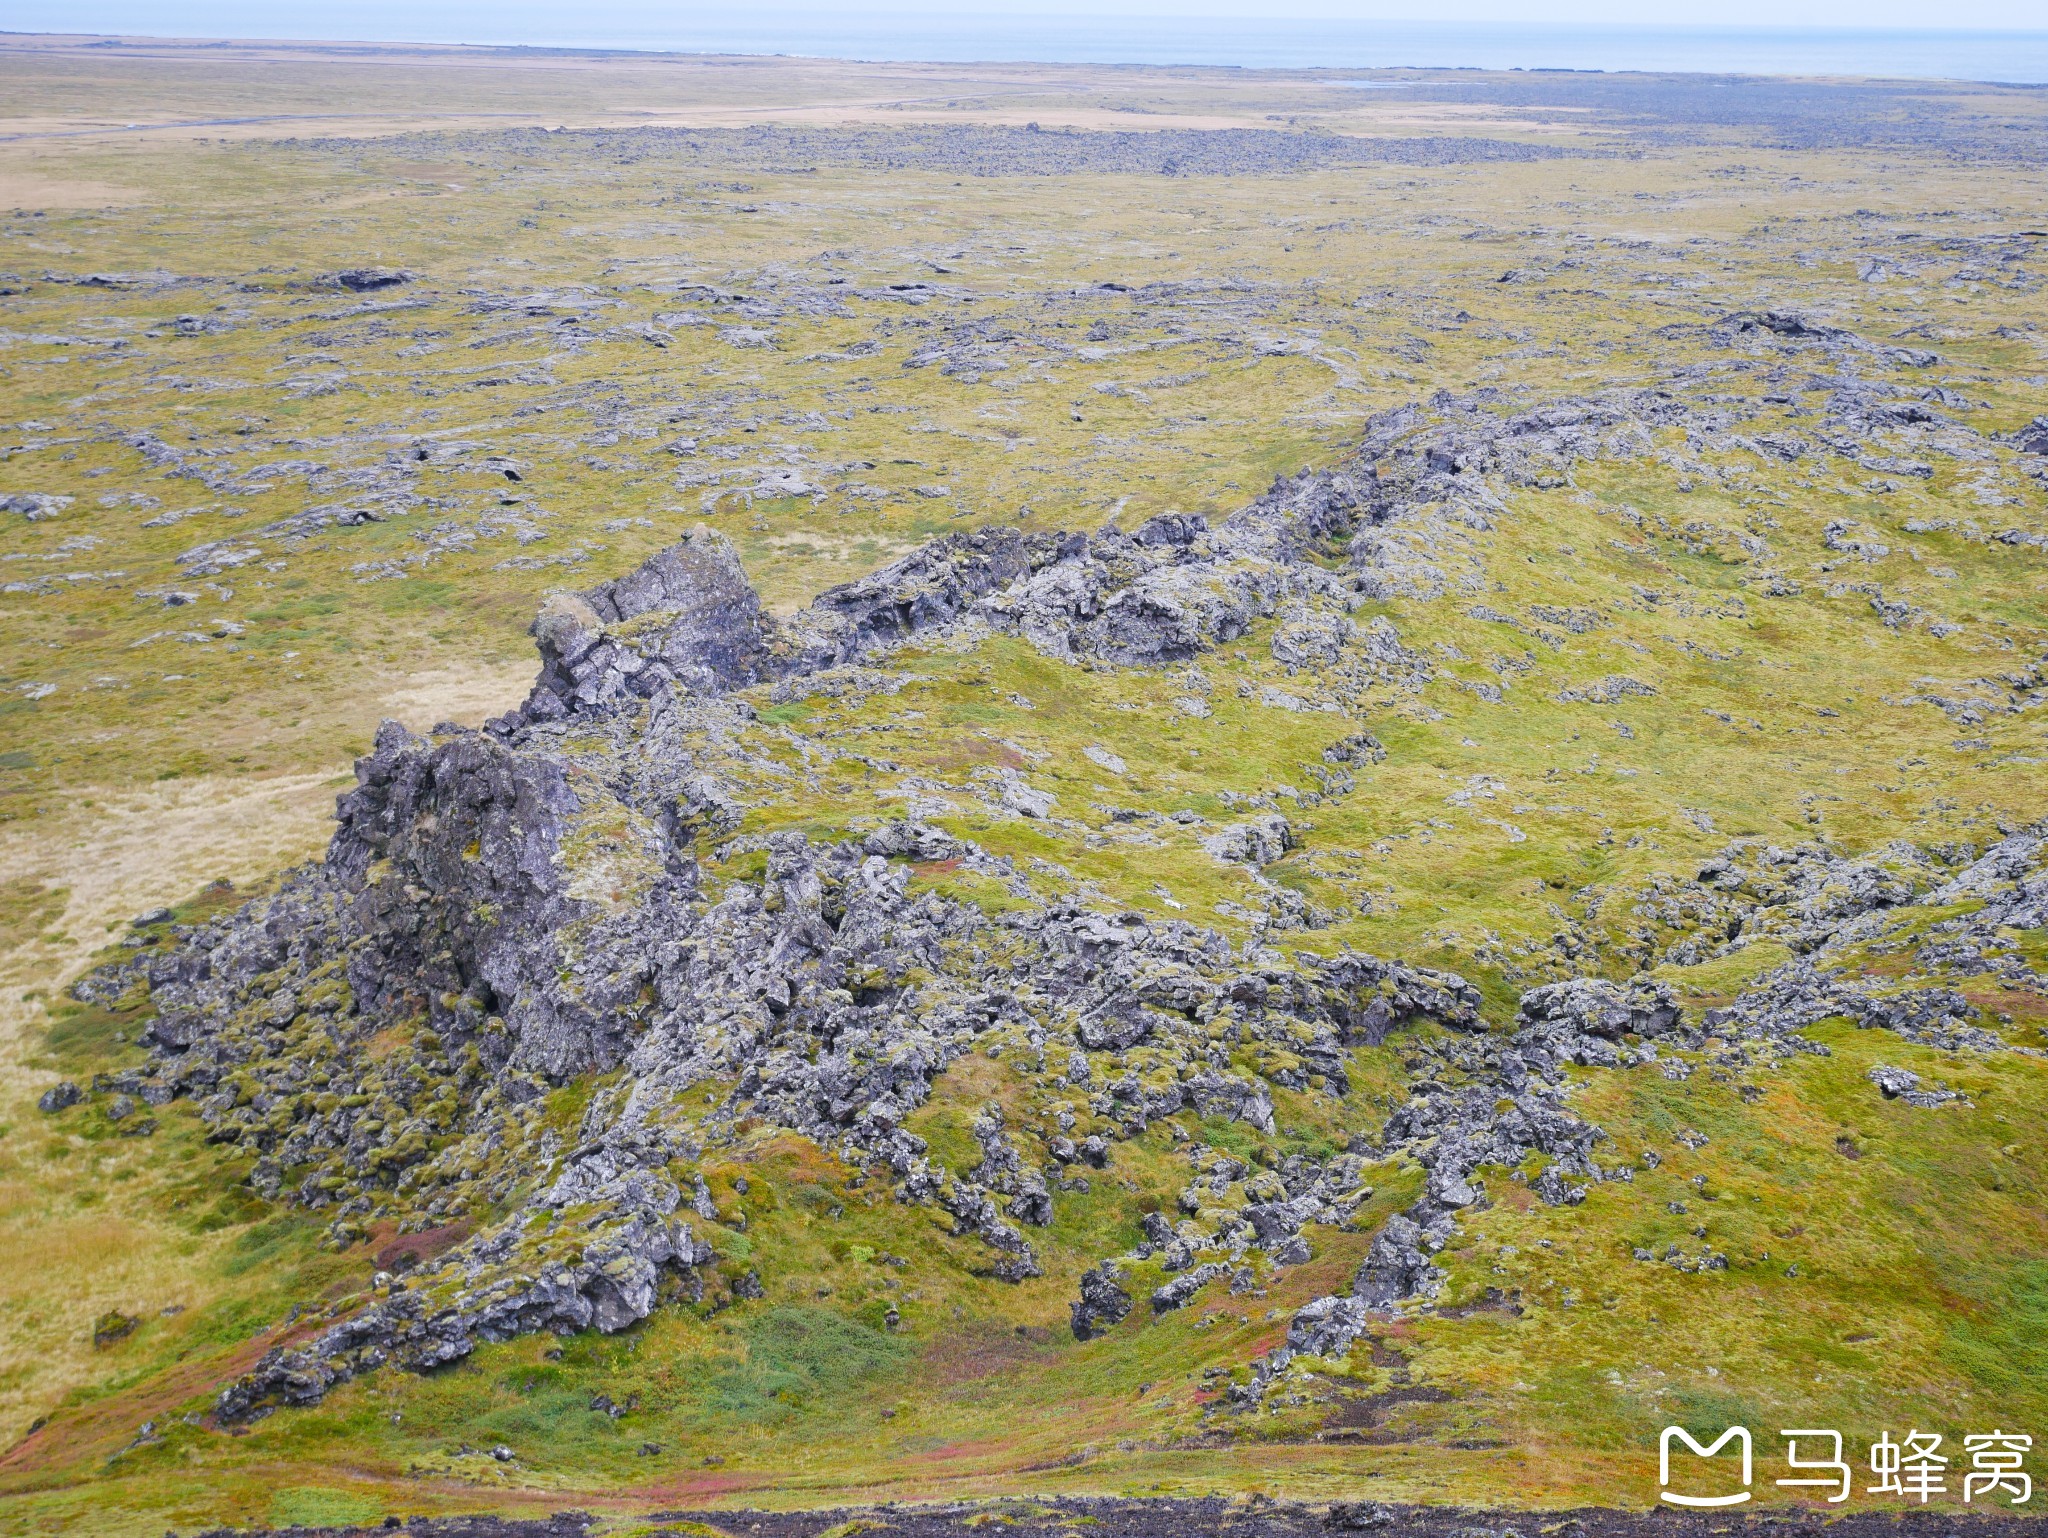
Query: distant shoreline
{"x": 2006, "y": 56}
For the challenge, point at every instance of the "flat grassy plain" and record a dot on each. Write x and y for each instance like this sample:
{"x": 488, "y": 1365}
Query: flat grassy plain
{"x": 319, "y": 378}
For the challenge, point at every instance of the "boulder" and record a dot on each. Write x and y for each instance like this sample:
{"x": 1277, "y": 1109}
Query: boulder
{"x": 1258, "y": 841}
{"x": 1103, "y": 1301}
{"x": 59, "y": 1097}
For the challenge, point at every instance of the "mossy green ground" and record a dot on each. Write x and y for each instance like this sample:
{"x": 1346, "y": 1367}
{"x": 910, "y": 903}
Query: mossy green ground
{"x": 1899, "y": 1286}
{"x": 1503, "y": 838}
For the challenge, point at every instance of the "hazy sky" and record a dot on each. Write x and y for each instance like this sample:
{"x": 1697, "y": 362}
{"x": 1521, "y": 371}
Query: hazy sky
{"x": 1831, "y": 13}
{"x": 484, "y": 19}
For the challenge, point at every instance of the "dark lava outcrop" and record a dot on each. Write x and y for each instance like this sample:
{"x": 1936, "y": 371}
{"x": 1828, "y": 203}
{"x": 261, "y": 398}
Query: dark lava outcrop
{"x": 508, "y": 911}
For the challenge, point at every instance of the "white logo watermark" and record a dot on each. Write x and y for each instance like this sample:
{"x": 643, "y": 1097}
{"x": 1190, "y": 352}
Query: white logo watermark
{"x": 1915, "y": 1468}
{"x": 1680, "y": 1434}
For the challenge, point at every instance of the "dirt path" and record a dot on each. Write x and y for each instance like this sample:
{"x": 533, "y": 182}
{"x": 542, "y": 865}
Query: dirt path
{"x": 1109, "y": 1517}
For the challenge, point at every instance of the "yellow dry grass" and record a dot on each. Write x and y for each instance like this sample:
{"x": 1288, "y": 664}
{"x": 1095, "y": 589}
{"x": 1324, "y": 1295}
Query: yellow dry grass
{"x": 108, "y": 855}
{"x": 111, "y": 855}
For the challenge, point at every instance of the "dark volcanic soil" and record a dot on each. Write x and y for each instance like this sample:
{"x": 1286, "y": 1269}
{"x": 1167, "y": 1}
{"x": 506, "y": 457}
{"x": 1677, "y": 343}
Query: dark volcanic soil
{"x": 1109, "y": 1517}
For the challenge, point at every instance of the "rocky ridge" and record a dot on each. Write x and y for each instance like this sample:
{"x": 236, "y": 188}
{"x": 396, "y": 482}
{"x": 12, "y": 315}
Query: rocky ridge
{"x": 524, "y": 906}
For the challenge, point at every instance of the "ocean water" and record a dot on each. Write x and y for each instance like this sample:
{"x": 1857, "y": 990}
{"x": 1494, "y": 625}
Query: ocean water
{"x": 854, "y": 32}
